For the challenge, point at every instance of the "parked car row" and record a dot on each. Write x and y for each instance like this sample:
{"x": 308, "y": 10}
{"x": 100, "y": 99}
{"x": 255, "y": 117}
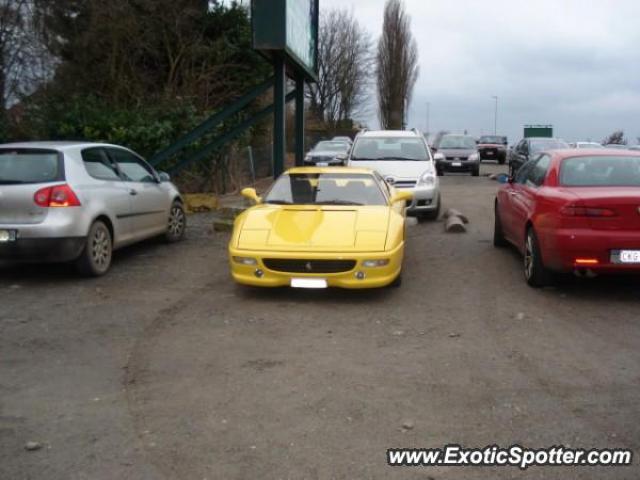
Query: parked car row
{"x": 565, "y": 209}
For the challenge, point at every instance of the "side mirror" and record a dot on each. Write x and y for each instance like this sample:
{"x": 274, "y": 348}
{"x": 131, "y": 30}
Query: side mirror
{"x": 164, "y": 177}
{"x": 434, "y": 150}
{"x": 251, "y": 194}
{"x": 342, "y": 158}
{"x": 402, "y": 196}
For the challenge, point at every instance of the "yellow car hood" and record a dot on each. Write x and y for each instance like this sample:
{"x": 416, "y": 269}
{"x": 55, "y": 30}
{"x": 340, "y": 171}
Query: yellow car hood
{"x": 321, "y": 229}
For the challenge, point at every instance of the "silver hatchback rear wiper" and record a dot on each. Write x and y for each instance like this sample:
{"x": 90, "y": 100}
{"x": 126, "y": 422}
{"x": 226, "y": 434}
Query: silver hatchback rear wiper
{"x": 11, "y": 182}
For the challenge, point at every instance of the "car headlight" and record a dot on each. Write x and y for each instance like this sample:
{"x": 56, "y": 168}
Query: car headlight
{"x": 375, "y": 263}
{"x": 439, "y": 156}
{"x": 427, "y": 178}
{"x": 474, "y": 157}
{"x": 307, "y": 158}
{"x": 248, "y": 261}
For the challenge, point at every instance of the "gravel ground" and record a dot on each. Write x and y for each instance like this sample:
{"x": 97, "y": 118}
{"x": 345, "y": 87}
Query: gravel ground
{"x": 165, "y": 369}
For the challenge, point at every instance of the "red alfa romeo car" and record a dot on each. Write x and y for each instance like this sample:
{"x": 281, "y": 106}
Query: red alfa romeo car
{"x": 573, "y": 211}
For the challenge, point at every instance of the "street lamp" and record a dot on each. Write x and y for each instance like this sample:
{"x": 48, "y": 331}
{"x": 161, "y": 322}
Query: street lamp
{"x": 495, "y": 125}
{"x": 428, "y": 114}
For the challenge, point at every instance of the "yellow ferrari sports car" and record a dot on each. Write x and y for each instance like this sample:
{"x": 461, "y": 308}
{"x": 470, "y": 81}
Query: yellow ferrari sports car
{"x": 319, "y": 228}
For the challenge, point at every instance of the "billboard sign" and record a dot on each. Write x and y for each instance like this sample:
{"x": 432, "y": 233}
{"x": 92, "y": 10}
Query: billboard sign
{"x": 302, "y": 31}
{"x": 289, "y": 27}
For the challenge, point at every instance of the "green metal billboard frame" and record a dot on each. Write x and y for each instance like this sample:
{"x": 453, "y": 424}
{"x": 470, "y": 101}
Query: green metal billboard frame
{"x": 280, "y": 36}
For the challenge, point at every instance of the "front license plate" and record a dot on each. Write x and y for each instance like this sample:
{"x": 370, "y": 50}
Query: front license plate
{"x": 456, "y": 164}
{"x": 7, "y": 236}
{"x": 630, "y": 256}
{"x": 322, "y": 164}
{"x": 310, "y": 283}
{"x": 489, "y": 153}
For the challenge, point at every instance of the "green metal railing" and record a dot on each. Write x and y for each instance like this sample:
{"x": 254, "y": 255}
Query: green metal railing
{"x": 214, "y": 121}
{"x": 220, "y": 141}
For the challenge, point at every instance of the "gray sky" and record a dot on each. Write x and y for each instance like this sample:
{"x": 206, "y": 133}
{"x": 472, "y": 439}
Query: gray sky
{"x": 571, "y": 63}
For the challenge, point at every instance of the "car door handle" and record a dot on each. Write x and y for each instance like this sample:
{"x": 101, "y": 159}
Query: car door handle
{"x": 514, "y": 194}
{"x": 133, "y": 192}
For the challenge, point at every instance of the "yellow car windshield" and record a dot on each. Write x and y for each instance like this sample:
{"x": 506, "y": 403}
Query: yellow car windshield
{"x": 326, "y": 189}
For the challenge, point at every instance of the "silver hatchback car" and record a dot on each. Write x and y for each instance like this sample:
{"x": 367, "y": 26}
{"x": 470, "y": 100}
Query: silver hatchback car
{"x": 70, "y": 201}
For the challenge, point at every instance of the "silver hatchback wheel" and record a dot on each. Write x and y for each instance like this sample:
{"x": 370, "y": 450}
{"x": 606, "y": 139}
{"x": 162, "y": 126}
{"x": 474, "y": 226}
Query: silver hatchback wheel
{"x": 95, "y": 259}
{"x": 177, "y": 223}
{"x": 101, "y": 248}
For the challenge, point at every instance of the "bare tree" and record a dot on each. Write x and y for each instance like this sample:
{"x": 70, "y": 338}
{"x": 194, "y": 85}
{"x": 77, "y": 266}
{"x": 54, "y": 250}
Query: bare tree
{"x": 616, "y": 138}
{"x": 345, "y": 65}
{"x": 24, "y": 61}
{"x": 12, "y": 44}
{"x": 397, "y": 66}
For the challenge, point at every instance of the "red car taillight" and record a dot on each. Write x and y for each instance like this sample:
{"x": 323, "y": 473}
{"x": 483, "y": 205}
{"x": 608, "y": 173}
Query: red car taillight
{"x": 55, "y": 197}
{"x": 575, "y": 211}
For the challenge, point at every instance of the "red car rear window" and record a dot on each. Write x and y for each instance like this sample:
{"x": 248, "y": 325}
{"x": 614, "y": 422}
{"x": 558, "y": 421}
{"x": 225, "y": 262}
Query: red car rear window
{"x": 618, "y": 171}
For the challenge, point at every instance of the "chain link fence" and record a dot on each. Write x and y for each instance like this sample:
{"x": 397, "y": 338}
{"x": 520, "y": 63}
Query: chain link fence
{"x": 229, "y": 171}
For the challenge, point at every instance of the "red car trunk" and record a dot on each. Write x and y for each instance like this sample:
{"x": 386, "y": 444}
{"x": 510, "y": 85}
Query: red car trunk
{"x": 600, "y": 203}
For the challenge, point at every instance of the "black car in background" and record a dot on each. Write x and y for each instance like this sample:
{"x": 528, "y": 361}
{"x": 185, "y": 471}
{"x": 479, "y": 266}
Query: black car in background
{"x": 493, "y": 147}
{"x": 328, "y": 153}
{"x": 529, "y": 148}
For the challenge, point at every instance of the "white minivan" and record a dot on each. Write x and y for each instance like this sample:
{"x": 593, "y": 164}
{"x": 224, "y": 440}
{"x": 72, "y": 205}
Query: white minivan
{"x": 404, "y": 160}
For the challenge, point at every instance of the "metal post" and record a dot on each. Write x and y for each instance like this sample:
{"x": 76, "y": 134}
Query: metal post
{"x": 279, "y": 118}
{"x": 428, "y": 117}
{"x": 300, "y": 147}
{"x": 495, "y": 126}
{"x": 252, "y": 165}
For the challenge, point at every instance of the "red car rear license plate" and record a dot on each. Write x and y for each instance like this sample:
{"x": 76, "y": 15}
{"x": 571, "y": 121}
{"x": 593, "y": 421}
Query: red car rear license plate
{"x": 629, "y": 256}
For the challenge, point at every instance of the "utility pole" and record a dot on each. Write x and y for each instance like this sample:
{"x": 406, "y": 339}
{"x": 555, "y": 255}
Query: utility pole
{"x": 428, "y": 119}
{"x": 495, "y": 125}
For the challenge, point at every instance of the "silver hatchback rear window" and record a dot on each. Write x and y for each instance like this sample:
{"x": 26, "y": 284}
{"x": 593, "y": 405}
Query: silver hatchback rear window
{"x": 25, "y": 166}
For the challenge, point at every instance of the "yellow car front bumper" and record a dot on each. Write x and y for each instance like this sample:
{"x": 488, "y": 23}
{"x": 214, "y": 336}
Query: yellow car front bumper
{"x": 359, "y": 277}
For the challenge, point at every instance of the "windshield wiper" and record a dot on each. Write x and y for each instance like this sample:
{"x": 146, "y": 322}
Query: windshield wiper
{"x": 278, "y": 202}
{"x": 340, "y": 202}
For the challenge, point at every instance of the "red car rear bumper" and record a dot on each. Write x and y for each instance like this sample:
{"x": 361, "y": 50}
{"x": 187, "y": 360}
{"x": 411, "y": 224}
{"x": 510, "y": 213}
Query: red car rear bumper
{"x": 561, "y": 250}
